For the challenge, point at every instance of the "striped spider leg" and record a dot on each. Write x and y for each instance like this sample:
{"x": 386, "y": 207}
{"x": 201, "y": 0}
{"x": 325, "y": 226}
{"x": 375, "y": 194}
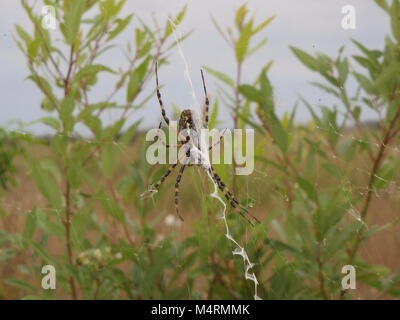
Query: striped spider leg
{"x": 187, "y": 122}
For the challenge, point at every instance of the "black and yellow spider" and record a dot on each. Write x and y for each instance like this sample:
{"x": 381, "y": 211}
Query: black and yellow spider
{"x": 189, "y": 123}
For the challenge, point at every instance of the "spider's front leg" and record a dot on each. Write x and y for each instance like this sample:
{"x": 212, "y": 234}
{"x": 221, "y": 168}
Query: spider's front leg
{"x": 206, "y": 102}
{"x": 178, "y": 180}
{"x": 235, "y": 204}
{"x": 165, "y": 175}
{"x": 159, "y": 98}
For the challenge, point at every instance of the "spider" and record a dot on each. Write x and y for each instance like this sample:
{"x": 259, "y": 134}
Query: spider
{"x": 188, "y": 122}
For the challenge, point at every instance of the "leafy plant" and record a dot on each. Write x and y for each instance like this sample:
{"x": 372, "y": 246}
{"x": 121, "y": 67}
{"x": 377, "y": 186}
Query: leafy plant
{"x": 107, "y": 242}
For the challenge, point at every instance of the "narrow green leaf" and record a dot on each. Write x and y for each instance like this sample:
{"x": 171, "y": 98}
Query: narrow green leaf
{"x": 91, "y": 70}
{"x": 30, "y": 226}
{"x": 213, "y": 117}
{"x": 43, "y": 253}
{"x": 251, "y": 93}
{"x": 222, "y": 76}
{"x": 309, "y": 61}
{"x": 136, "y": 78}
{"x": 394, "y": 19}
{"x": 46, "y": 185}
{"x": 333, "y": 169}
{"x": 242, "y": 43}
{"x": 388, "y": 73}
{"x": 66, "y": 114}
{"x": 240, "y": 15}
{"x": 308, "y": 189}
{"x": 263, "y": 24}
{"x": 121, "y": 25}
{"x": 109, "y": 155}
{"x": 19, "y": 284}
{"x": 112, "y": 208}
{"x": 73, "y": 19}
{"x": 386, "y": 173}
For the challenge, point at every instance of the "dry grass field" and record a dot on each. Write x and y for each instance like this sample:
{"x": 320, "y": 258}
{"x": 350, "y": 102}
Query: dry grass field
{"x": 383, "y": 249}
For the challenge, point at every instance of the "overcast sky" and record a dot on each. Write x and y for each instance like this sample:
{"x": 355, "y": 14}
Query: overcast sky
{"x": 312, "y": 25}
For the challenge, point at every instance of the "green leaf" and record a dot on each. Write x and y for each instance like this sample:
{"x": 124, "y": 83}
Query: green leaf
{"x": 223, "y": 35}
{"x": 213, "y": 117}
{"x": 279, "y": 246}
{"x": 387, "y": 74}
{"x": 383, "y": 4}
{"x": 340, "y": 238}
{"x": 44, "y": 86}
{"x": 109, "y": 155}
{"x": 121, "y": 25}
{"x": 178, "y": 19}
{"x": 23, "y": 35}
{"x": 308, "y": 189}
{"x": 43, "y": 253}
{"x": 126, "y": 138}
{"x": 309, "y": 61}
{"x": 365, "y": 83}
{"x": 267, "y": 91}
{"x": 46, "y": 185}
{"x": 240, "y": 15}
{"x": 394, "y": 19}
{"x": 33, "y": 48}
{"x": 222, "y": 76}
{"x": 66, "y": 114}
{"x": 73, "y": 20}
{"x": 263, "y": 24}
{"x": 30, "y": 226}
{"x": 325, "y": 88}
{"x": 257, "y": 47}
{"x": 277, "y": 131}
{"x": 91, "y": 71}
{"x": 386, "y": 173}
{"x": 333, "y": 170}
{"x": 112, "y": 208}
{"x": 242, "y": 43}
{"x": 251, "y": 93}
{"x": 19, "y": 284}
{"x": 136, "y": 78}
{"x": 51, "y": 122}
{"x": 48, "y": 226}
{"x": 74, "y": 174}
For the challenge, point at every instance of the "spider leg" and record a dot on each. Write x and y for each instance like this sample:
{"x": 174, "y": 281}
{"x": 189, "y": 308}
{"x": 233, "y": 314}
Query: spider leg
{"x": 206, "y": 103}
{"x": 180, "y": 144}
{"x": 178, "y": 180}
{"x": 235, "y": 204}
{"x": 218, "y": 142}
{"x": 159, "y": 98}
{"x": 165, "y": 175}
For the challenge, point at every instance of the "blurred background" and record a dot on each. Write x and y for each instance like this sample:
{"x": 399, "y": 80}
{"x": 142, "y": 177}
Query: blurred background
{"x": 312, "y": 25}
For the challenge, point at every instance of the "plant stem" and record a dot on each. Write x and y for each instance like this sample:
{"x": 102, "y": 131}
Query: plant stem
{"x": 68, "y": 188}
{"x": 68, "y": 237}
{"x": 321, "y": 275}
{"x": 235, "y": 121}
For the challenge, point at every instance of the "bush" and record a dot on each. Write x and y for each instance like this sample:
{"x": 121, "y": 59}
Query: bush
{"x": 313, "y": 207}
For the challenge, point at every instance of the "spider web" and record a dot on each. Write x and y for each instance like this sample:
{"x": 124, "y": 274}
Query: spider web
{"x": 203, "y": 156}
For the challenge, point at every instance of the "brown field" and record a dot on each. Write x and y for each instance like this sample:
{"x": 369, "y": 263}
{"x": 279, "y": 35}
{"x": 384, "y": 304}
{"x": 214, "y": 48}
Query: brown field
{"x": 383, "y": 249}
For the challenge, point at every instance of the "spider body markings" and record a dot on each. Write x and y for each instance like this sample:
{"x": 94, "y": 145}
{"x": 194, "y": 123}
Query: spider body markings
{"x": 191, "y": 124}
